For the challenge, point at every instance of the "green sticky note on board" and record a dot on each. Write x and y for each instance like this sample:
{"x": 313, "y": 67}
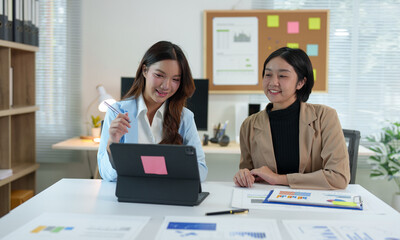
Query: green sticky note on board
{"x": 314, "y": 23}
{"x": 292, "y": 45}
{"x": 345, "y": 204}
{"x": 273, "y": 21}
{"x": 315, "y": 74}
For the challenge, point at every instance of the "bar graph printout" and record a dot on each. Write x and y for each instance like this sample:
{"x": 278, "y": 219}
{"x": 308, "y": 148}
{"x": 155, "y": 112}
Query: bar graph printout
{"x": 333, "y": 199}
{"x": 235, "y": 55}
{"x": 218, "y": 228}
{"x": 66, "y": 226}
{"x": 254, "y": 198}
{"x": 342, "y": 230}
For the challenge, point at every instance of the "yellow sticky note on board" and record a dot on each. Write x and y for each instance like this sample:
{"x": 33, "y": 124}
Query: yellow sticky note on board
{"x": 315, "y": 74}
{"x": 273, "y": 21}
{"x": 292, "y": 45}
{"x": 314, "y": 23}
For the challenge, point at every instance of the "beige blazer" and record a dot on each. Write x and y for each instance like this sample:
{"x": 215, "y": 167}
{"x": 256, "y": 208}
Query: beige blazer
{"x": 324, "y": 160}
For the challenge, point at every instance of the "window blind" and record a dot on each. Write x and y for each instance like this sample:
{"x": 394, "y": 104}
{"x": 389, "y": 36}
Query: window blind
{"x": 364, "y": 55}
{"x": 58, "y": 91}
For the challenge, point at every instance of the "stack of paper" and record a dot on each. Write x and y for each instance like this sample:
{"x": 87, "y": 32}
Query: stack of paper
{"x": 5, "y": 173}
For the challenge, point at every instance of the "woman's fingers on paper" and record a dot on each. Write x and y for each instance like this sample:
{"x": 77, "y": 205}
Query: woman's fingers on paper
{"x": 250, "y": 179}
{"x": 238, "y": 179}
{"x": 243, "y": 178}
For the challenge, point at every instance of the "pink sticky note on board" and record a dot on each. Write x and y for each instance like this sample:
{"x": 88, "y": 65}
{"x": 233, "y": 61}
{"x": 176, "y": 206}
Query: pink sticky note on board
{"x": 293, "y": 27}
{"x": 154, "y": 165}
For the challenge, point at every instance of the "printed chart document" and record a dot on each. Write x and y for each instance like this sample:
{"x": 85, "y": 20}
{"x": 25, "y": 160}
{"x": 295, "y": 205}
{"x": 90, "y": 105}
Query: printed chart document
{"x": 328, "y": 230}
{"x": 332, "y": 199}
{"x": 235, "y": 51}
{"x": 213, "y": 228}
{"x": 60, "y": 226}
{"x": 254, "y": 198}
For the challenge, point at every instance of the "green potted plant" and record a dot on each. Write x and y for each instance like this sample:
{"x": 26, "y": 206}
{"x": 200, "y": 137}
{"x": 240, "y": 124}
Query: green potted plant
{"x": 96, "y": 124}
{"x": 386, "y": 161}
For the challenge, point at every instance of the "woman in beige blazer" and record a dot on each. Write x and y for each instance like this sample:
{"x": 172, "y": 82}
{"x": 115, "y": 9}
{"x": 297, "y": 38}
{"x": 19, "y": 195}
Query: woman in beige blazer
{"x": 292, "y": 142}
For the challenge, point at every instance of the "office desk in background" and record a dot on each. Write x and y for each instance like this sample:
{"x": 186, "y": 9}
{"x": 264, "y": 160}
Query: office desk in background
{"x": 233, "y": 147}
{"x": 94, "y": 197}
{"x": 88, "y": 145}
{"x": 223, "y": 162}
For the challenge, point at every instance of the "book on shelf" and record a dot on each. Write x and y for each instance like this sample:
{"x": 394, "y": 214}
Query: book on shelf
{"x": 11, "y": 86}
{"x": 5, "y": 173}
{"x": 316, "y": 198}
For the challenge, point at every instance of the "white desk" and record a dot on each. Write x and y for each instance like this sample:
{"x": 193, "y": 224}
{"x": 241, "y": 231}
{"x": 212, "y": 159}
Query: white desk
{"x": 88, "y": 145}
{"x": 232, "y": 148}
{"x": 98, "y": 197}
{"x": 84, "y": 144}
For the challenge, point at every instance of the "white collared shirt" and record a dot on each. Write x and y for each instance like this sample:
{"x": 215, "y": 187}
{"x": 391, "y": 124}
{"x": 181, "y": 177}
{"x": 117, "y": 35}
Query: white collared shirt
{"x": 147, "y": 133}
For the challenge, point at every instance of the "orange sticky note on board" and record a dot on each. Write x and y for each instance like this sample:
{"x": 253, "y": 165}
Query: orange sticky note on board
{"x": 154, "y": 165}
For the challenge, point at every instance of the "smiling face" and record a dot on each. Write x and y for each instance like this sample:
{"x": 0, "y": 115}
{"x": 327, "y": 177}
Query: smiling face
{"x": 280, "y": 83}
{"x": 162, "y": 81}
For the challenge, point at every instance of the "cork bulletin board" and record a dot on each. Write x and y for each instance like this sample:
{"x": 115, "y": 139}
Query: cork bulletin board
{"x": 237, "y": 42}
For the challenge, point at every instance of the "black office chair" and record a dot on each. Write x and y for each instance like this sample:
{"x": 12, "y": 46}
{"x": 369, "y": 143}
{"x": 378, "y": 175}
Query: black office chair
{"x": 352, "y": 138}
{"x": 101, "y": 126}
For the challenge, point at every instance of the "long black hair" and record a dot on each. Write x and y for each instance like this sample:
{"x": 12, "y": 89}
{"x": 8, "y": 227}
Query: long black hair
{"x": 160, "y": 51}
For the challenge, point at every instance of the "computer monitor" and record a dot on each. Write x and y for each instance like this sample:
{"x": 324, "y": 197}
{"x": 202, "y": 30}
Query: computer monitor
{"x": 198, "y": 103}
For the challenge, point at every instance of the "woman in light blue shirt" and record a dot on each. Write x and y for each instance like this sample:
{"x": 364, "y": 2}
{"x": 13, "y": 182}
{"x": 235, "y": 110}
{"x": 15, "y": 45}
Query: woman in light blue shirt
{"x": 153, "y": 109}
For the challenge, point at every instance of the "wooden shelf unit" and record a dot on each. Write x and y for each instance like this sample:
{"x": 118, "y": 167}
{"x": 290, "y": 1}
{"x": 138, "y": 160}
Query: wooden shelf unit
{"x": 17, "y": 122}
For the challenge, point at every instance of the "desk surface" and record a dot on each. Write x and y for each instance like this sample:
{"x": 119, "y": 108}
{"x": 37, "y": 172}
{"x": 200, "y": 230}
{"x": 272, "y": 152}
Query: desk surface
{"x": 233, "y": 147}
{"x": 98, "y": 197}
{"x": 86, "y": 144}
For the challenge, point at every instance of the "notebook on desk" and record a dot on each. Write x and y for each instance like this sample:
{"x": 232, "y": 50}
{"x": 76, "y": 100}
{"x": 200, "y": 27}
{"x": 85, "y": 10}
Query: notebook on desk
{"x": 157, "y": 173}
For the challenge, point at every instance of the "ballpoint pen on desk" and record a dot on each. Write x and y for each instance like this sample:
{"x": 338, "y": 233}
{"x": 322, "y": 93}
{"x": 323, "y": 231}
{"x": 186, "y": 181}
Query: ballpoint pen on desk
{"x": 235, "y": 211}
{"x": 113, "y": 109}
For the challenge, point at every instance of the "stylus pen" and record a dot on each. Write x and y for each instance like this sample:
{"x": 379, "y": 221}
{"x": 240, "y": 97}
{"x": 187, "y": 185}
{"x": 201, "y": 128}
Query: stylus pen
{"x": 235, "y": 211}
{"x": 113, "y": 109}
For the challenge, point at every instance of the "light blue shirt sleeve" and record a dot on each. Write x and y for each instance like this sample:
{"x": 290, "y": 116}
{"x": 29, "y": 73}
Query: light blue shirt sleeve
{"x": 107, "y": 172}
{"x": 190, "y": 136}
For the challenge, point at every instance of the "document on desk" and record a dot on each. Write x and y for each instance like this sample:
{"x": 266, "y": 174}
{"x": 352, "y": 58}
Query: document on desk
{"x": 315, "y": 198}
{"x": 60, "y": 226}
{"x": 216, "y": 228}
{"x": 346, "y": 230}
{"x": 257, "y": 199}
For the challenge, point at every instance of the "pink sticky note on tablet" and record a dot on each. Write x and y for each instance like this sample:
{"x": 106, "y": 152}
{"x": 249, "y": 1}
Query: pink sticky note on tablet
{"x": 154, "y": 165}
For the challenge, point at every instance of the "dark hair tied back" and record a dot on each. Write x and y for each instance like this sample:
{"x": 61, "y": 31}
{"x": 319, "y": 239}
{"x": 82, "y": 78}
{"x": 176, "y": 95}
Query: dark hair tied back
{"x": 301, "y": 63}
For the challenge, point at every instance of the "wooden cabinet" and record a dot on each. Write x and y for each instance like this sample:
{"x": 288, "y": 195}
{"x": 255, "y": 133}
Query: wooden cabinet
{"x": 17, "y": 119}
